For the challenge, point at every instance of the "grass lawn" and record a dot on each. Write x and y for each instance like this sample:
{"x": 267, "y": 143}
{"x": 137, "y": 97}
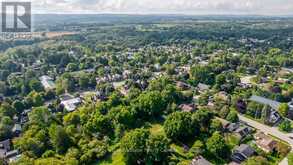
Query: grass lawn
{"x": 232, "y": 140}
{"x": 116, "y": 158}
{"x": 157, "y": 129}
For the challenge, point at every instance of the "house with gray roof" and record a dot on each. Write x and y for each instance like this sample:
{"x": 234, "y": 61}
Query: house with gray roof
{"x": 274, "y": 116}
{"x": 261, "y": 100}
{"x": 4, "y": 147}
{"x": 242, "y": 153}
{"x": 203, "y": 87}
{"x": 199, "y": 160}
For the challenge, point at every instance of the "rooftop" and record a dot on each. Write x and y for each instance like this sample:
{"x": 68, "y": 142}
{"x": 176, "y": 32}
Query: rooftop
{"x": 71, "y": 104}
{"x": 200, "y": 161}
{"x": 261, "y": 100}
{"x": 246, "y": 150}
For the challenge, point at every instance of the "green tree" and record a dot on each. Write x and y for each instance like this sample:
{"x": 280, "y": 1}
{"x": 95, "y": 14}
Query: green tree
{"x": 92, "y": 150}
{"x": 40, "y": 116}
{"x": 36, "y": 85}
{"x": 203, "y": 117}
{"x": 100, "y": 124}
{"x": 71, "y": 67}
{"x": 6, "y": 125}
{"x": 18, "y": 106}
{"x": 170, "y": 69}
{"x": 7, "y": 110}
{"x": 33, "y": 141}
{"x": 197, "y": 149}
{"x": 36, "y": 98}
{"x": 202, "y": 74}
{"x": 157, "y": 149}
{"x": 233, "y": 117}
{"x": 71, "y": 119}
{"x": 283, "y": 109}
{"x": 285, "y": 126}
{"x": 59, "y": 138}
{"x": 133, "y": 145}
{"x": 215, "y": 125}
{"x": 123, "y": 115}
{"x": 220, "y": 79}
{"x": 72, "y": 156}
{"x": 179, "y": 125}
{"x": 3, "y": 88}
{"x": 149, "y": 104}
{"x": 84, "y": 81}
{"x": 217, "y": 145}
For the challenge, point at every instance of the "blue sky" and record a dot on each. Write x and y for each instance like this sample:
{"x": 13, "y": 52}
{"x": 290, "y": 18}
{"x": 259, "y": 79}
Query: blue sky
{"x": 250, "y": 7}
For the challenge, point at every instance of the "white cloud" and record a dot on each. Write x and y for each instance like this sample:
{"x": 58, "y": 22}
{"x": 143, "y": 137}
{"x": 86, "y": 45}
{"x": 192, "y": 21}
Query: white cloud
{"x": 268, "y": 7}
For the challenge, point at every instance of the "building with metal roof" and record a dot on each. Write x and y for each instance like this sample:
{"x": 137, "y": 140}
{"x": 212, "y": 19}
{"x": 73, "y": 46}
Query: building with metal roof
{"x": 261, "y": 100}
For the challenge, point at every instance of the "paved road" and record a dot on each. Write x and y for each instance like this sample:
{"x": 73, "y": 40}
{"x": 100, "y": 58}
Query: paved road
{"x": 270, "y": 130}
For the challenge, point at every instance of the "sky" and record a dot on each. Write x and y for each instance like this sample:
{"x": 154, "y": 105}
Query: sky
{"x": 189, "y": 7}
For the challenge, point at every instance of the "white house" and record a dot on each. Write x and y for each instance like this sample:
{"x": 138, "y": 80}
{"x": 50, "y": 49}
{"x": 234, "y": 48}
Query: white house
{"x": 71, "y": 104}
{"x": 47, "y": 82}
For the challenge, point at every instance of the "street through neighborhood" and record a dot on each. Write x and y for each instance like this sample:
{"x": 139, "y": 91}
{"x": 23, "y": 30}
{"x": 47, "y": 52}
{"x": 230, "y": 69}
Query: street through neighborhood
{"x": 271, "y": 131}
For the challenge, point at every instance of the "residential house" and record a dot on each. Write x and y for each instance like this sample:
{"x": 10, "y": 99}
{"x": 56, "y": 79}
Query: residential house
{"x": 4, "y": 147}
{"x": 24, "y": 116}
{"x": 200, "y": 161}
{"x": 182, "y": 85}
{"x": 282, "y": 81}
{"x": 12, "y": 156}
{"x": 204, "y": 63}
{"x": 223, "y": 96}
{"x": 15, "y": 119}
{"x": 225, "y": 123}
{"x": 47, "y": 82}
{"x": 203, "y": 87}
{"x": 16, "y": 130}
{"x": 242, "y": 153}
{"x": 100, "y": 95}
{"x": 261, "y": 100}
{"x": 243, "y": 131}
{"x": 71, "y": 104}
{"x": 126, "y": 74}
{"x": 245, "y": 82}
{"x": 232, "y": 127}
{"x": 265, "y": 142}
{"x": 290, "y": 113}
{"x": 274, "y": 116}
{"x": 187, "y": 107}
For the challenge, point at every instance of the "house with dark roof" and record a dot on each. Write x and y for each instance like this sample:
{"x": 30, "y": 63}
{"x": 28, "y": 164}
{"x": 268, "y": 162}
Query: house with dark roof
{"x": 4, "y": 147}
{"x": 231, "y": 127}
{"x": 16, "y": 130}
{"x": 241, "y": 153}
{"x": 243, "y": 131}
{"x": 182, "y": 85}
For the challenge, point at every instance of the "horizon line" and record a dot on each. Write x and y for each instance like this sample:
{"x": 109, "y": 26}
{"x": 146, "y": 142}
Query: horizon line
{"x": 168, "y": 14}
